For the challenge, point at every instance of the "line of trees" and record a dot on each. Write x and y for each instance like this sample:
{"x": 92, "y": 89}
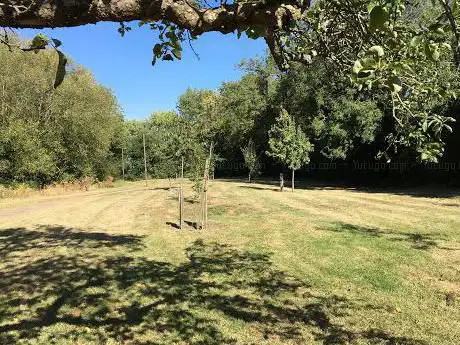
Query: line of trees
{"x": 49, "y": 134}
{"x": 381, "y": 83}
{"x": 269, "y": 121}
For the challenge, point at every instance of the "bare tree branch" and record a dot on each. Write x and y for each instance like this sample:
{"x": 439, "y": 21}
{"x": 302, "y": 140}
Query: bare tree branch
{"x": 65, "y": 13}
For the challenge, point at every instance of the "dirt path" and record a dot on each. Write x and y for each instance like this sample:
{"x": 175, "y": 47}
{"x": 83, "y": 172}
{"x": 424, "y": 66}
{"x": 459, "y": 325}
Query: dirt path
{"x": 117, "y": 210}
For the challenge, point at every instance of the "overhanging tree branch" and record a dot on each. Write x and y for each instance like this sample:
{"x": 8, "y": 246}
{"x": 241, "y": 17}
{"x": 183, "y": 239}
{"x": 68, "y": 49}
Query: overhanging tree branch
{"x": 225, "y": 18}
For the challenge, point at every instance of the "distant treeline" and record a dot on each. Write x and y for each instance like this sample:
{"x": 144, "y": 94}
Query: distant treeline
{"x": 78, "y": 129}
{"x": 347, "y": 128}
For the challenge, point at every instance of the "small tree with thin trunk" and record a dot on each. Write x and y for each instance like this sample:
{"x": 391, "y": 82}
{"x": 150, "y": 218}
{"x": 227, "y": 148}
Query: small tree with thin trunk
{"x": 250, "y": 159}
{"x": 288, "y": 143}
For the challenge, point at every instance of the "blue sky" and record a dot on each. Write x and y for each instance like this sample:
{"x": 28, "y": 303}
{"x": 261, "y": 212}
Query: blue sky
{"x": 124, "y": 63}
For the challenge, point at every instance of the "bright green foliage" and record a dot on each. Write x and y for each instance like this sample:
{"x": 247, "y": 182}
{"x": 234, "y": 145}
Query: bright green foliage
{"x": 399, "y": 50}
{"x": 173, "y": 135}
{"x": 288, "y": 143}
{"x": 49, "y": 134}
{"x": 333, "y": 114}
{"x": 339, "y": 121}
{"x": 162, "y": 139}
{"x": 409, "y": 64}
{"x": 241, "y": 105}
{"x": 198, "y": 108}
{"x": 170, "y": 39}
{"x": 199, "y": 111}
{"x": 250, "y": 159}
{"x": 163, "y": 144}
{"x": 39, "y": 42}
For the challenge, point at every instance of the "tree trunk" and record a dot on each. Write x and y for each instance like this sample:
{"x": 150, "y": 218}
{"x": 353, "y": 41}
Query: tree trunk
{"x": 292, "y": 183}
{"x": 249, "y": 177}
{"x": 281, "y": 182}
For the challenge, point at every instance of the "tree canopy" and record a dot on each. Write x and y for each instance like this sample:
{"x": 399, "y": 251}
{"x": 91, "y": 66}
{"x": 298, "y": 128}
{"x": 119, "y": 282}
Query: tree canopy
{"x": 392, "y": 57}
{"x": 49, "y": 134}
{"x": 77, "y": 129}
{"x": 288, "y": 143}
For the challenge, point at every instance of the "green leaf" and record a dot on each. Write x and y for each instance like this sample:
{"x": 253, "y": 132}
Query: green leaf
{"x": 407, "y": 68}
{"x": 396, "y": 88}
{"x": 175, "y": 44}
{"x": 357, "y": 67}
{"x": 446, "y": 45}
{"x": 157, "y": 50}
{"x": 39, "y": 42}
{"x": 378, "y": 18}
{"x": 60, "y": 72}
{"x": 432, "y": 51}
{"x": 369, "y": 63}
{"x": 365, "y": 74}
{"x": 454, "y": 6}
{"x": 395, "y": 84}
{"x": 371, "y": 6}
{"x": 436, "y": 28}
{"x": 436, "y": 54}
{"x": 177, "y": 53}
{"x": 415, "y": 41}
{"x": 376, "y": 50}
{"x": 57, "y": 43}
{"x": 424, "y": 156}
{"x": 425, "y": 125}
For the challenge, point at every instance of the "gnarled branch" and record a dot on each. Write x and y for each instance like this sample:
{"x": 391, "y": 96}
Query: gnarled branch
{"x": 65, "y": 13}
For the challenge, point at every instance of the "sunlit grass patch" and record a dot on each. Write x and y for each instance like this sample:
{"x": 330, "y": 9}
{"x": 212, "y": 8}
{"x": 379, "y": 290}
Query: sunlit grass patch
{"x": 273, "y": 268}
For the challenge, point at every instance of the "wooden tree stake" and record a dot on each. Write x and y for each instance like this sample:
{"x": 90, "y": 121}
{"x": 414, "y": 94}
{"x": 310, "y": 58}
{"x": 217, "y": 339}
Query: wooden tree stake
{"x": 204, "y": 200}
{"x": 145, "y": 160}
{"x": 123, "y": 163}
{"x": 281, "y": 182}
{"x": 181, "y": 197}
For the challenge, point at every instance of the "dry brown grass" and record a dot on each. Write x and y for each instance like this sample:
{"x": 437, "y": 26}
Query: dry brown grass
{"x": 318, "y": 266}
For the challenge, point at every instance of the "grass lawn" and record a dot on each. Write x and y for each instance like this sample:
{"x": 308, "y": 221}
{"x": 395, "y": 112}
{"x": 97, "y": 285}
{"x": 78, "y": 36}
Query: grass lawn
{"x": 317, "y": 266}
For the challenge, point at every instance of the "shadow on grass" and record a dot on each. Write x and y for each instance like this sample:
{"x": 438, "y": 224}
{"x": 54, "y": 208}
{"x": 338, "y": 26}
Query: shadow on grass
{"x": 84, "y": 296}
{"x": 274, "y": 188}
{"x": 173, "y": 225}
{"x": 15, "y": 240}
{"x": 191, "y": 200}
{"x": 415, "y": 239}
{"x": 425, "y": 191}
{"x": 450, "y": 205}
{"x": 161, "y": 188}
{"x": 189, "y": 223}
